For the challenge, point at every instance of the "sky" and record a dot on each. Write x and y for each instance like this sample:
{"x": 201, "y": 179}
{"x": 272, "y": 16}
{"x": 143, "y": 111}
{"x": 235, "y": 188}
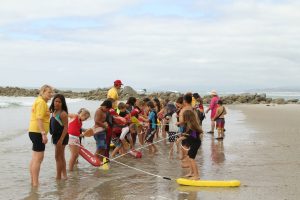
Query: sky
{"x": 191, "y": 45}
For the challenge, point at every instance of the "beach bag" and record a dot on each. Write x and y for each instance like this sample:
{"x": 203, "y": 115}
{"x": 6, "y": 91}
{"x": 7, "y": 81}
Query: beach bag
{"x": 220, "y": 114}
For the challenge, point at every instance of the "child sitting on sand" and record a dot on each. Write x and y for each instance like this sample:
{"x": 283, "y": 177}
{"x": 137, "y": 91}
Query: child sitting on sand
{"x": 191, "y": 140}
{"x": 74, "y": 131}
{"x": 220, "y": 120}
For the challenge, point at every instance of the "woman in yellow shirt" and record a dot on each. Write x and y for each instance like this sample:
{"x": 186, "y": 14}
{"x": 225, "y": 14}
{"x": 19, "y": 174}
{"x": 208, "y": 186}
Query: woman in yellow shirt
{"x": 38, "y": 129}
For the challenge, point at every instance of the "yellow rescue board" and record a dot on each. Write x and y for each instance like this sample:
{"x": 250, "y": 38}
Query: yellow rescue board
{"x": 208, "y": 183}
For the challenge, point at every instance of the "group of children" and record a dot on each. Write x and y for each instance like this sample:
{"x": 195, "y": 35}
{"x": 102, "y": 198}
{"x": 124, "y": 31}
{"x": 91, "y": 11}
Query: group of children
{"x": 138, "y": 120}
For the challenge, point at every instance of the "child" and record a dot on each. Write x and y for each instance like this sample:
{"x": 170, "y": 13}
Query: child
{"x": 58, "y": 130}
{"x": 171, "y": 118}
{"x": 152, "y": 119}
{"x": 123, "y": 131}
{"x": 74, "y": 131}
{"x": 191, "y": 140}
{"x": 141, "y": 106}
{"x": 199, "y": 107}
{"x": 220, "y": 120}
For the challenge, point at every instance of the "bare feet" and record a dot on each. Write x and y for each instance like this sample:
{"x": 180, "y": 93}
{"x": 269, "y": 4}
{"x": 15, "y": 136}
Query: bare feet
{"x": 189, "y": 175}
{"x": 195, "y": 178}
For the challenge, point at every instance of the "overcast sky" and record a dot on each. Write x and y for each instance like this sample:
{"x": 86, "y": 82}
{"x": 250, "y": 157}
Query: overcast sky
{"x": 156, "y": 44}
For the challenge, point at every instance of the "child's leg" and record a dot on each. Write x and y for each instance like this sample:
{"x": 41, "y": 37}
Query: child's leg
{"x": 74, "y": 156}
{"x": 154, "y": 148}
{"x": 100, "y": 153}
{"x": 219, "y": 132}
{"x": 129, "y": 139}
{"x": 141, "y": 135}
{"x": 189, "y": 166}
{"x": 223, "y": 128}
{"x": 171, "y": 150}
{"x": 64, "y": 170}
{"x": 194, "y": 169}
{"x": 115, "y": 151}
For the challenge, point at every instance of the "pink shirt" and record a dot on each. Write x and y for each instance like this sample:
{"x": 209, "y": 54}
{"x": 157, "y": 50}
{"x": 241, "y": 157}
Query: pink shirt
{"x": 213, "y": 106}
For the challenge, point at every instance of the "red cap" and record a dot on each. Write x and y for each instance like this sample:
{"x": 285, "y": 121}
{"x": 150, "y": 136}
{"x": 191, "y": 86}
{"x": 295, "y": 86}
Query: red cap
{"x": 118, "y": 82}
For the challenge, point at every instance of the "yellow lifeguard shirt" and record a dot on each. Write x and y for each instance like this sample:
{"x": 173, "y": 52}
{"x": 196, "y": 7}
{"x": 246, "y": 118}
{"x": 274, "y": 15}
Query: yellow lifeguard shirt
{"x": 113, "y": 94}
{"x": 193, "y": 101}
{"x": 41, "y": 111}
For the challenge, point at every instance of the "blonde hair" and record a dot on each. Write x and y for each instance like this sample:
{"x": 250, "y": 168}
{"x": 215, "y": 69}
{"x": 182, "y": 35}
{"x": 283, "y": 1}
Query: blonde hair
{"x": 189, "y": 117}
{"x": 44, "y": 88}
{"x": 84, "y": 111}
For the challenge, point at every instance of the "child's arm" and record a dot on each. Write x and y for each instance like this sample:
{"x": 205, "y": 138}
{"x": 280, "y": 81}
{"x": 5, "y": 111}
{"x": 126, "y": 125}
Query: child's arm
{"x": 64, "y": 118}
{"x": 71, "y": 115}
{"x": 180, "y": 139}
{"x": 217, "y": 114}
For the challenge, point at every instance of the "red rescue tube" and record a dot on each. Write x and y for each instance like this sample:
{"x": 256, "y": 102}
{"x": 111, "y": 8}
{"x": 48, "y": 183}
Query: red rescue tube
{"x": 119, "y": 120}
{"x": 88, "y": 156}
{"x": 135, "y": 153}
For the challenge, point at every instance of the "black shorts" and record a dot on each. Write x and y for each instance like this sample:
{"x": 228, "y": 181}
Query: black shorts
{"x": 56, "y": 137}
{"x": 194, "y": 146}
{"x": 37, "y": 142}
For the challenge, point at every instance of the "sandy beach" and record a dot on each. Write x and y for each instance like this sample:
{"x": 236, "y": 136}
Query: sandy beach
{"x": 270, "y": 160}
{"x": 261, "y": 149}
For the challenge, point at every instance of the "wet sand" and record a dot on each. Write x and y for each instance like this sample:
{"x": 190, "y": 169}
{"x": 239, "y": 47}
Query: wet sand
{"x": 261, "y": 149}
{"x": 271, "y": 163}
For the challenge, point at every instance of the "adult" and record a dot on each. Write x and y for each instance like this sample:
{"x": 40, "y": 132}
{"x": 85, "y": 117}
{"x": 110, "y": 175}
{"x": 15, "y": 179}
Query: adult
{"x": 38, "y": 129}
{"x": 59, "y": 132}
{"x": 113, "y": 93}
{"x": 213, "y": 108}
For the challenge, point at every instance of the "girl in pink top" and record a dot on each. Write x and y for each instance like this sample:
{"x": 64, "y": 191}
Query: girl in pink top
{"x": 74, "y": 131}
{"x": 213, "y": 107}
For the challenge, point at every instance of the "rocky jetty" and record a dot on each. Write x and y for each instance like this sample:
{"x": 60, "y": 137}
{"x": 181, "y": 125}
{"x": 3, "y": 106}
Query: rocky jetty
{"x": 127, "y": 91}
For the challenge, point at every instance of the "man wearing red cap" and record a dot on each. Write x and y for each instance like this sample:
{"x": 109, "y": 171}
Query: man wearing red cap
{"x": 113, "y": 93}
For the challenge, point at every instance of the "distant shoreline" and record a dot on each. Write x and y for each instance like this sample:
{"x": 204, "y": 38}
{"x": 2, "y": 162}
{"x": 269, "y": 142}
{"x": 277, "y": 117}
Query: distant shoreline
{"x": 127, "y": 91}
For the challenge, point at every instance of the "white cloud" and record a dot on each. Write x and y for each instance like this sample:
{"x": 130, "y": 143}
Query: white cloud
{"x": 247, "y": 44}
{"x": 17, "y": 11}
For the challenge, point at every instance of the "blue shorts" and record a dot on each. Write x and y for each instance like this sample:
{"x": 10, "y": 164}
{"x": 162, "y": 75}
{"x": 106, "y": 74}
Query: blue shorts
{"x": 116, "y": 141}
{"x": 100, "y": 138}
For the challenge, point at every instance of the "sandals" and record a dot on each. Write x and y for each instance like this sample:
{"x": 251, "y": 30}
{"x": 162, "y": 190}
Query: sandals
{"x": 210, "y": 132}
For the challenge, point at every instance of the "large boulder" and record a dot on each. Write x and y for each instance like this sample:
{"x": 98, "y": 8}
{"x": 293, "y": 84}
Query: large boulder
{"x": 279, "y": 101}
{"x": 293, "y": 100}
{"x": 128, "y": 91}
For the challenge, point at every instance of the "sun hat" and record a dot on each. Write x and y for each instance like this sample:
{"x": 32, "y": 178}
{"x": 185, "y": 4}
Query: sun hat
{"x": 213, "y": 92}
